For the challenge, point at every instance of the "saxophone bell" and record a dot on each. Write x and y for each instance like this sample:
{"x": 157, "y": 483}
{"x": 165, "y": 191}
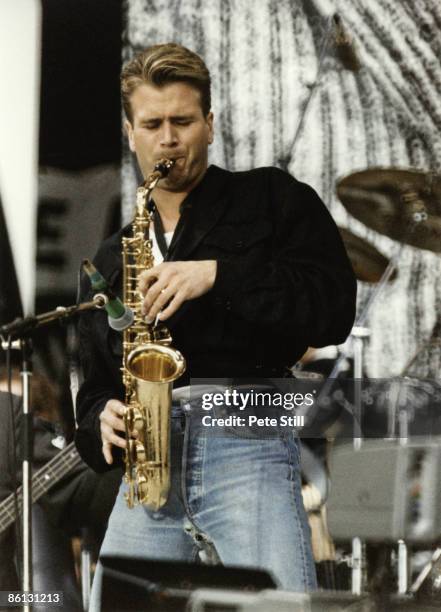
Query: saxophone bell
{"x": 152, "y": 368}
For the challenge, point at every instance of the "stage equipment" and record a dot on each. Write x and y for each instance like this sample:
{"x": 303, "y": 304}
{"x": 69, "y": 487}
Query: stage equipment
{"x": 426, "y": 361}
{"x": 162, "y": 586}
{"x": 20, "y": 329}
{"x": 215, "y": 600}
{"x": 150, "y": 365}
{"x": 386, "y": 491}
{"x": 156, "y": 585}
{"x": 368, "y": 263}
{"x": 428, "y": 583}
{"x": 402, "y": 408}
{"x": 402, "y": 204}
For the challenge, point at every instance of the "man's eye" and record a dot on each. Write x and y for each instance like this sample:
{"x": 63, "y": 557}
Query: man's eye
{"x": 183, "y": 122}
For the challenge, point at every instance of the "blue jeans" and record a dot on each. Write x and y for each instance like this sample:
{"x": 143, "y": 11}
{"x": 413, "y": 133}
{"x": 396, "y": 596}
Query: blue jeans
{"x": 234, "y": 499}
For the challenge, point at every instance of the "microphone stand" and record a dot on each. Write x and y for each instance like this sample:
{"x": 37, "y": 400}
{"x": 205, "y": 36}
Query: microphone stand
{"x": 20, "y": 329}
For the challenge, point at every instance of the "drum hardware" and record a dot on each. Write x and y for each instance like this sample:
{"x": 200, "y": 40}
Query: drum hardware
{"x": 433, "y": 343}
{"x": 367, "y": 262}
{"x": 358, "y": 566}
{"x": 393, "y": 201}
{"x": 428, "y": 581}
{"x": 403, "y": 568}
{"x": 404, "y": 205}
{"x": 436, "y": 342}
{"x": 358, "y": 334}
{"x": 387, "y": 493}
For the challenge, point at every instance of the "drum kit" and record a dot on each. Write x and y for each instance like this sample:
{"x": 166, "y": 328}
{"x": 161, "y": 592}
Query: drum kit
{"x": 405, "y": 206}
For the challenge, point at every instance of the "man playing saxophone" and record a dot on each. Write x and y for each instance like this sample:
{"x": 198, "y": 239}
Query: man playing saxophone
{"x": 249, "y": 271}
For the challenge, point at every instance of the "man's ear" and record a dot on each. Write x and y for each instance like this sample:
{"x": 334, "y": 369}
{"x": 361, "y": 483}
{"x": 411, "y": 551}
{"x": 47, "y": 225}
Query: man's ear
{"x": 210, "y": 120}
{"x": 129, "y": 130}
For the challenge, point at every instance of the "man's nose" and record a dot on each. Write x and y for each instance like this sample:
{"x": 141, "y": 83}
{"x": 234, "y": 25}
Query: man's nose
{"x": 168, "y": 135}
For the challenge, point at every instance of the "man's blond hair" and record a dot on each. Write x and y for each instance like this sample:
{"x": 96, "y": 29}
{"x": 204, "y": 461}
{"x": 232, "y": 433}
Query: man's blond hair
{"x": 163, "y": 64}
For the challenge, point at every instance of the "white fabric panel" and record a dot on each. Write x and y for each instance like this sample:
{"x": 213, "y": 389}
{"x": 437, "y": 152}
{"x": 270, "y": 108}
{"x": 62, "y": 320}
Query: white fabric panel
{"x": 20, "y": 43}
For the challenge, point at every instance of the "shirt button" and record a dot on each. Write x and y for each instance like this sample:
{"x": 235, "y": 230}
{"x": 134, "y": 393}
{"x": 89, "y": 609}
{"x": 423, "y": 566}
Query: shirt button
{"x": 239, "y": 245}
{"x": 228, "y": 305}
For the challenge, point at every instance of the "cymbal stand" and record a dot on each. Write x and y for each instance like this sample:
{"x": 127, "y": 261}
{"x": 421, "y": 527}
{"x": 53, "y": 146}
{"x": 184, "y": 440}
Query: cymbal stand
{"x": 357, "y": 338}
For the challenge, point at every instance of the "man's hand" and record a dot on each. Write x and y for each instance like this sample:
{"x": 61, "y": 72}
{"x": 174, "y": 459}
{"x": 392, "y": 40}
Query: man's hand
{"x": 111, "y": 421}
{"x": 168, "y": 285}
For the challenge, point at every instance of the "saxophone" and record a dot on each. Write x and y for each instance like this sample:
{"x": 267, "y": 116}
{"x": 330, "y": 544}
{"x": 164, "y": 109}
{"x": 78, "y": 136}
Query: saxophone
{"x": 150, "y": 365}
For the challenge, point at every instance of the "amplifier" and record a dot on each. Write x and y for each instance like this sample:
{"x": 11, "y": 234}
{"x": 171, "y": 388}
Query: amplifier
{"x": 385, "y": 491}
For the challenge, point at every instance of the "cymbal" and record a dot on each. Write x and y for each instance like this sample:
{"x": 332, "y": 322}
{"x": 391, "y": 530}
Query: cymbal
{"x": 402, "y": 204}
{"x": 368, "y": 263}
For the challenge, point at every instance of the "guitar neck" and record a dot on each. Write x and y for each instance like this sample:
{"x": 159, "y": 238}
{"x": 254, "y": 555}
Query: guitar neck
{"x": 45, "y": 478}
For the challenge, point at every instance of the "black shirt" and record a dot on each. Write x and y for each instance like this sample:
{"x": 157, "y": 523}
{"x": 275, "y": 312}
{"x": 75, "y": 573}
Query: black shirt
{"x": 283, "y": 283}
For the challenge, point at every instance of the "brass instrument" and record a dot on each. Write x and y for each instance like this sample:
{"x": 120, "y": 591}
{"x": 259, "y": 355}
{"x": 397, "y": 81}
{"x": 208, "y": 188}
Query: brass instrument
{"x": 150, "y": 365}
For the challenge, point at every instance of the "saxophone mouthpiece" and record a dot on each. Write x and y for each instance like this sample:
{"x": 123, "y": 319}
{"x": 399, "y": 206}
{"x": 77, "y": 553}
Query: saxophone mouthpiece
{"x": 164, "y": 166}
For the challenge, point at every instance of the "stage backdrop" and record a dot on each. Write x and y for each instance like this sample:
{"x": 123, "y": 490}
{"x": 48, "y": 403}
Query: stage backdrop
{"x": 266, "y": 58}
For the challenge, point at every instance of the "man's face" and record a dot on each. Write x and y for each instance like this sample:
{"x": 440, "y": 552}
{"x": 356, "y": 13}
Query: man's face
{"x": 168, "y": 122}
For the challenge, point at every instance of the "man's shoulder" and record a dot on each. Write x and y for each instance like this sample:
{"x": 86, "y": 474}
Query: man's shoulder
{"x": 262, "y": 172}
{"x": 267, "y": 178}
{"x": 261, "y": 179}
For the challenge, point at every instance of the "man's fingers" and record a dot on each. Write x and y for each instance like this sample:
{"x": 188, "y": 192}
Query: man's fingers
{"x": 174, "y": 305}
{"x": 115, "y": 407}
{"x": 111, "y": 421}
{"x": 153, "y": 294}
{"x": 115, "y": 422}
{"x": 107, "y": 452}
{"x": 148, "y": 277}
{"x": 116, "y": 440}
{"x": 109, "y": 437}
{"x": 164, "y": 297}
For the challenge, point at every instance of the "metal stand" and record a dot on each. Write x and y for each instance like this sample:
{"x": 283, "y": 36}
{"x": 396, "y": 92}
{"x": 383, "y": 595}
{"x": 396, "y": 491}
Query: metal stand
{"x": 21, "y": 329}
{"x": 403, "y": 568}
{"x": 357, "y": 565}
{"x": 86, "y": 565}
{"x": 26, "y": 373}
{"x": 425, "y": 572}
{"x": 358, "y": 335}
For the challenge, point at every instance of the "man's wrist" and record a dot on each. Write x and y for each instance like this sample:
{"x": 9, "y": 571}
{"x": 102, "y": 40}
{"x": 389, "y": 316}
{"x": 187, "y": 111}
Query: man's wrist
{"x": 212, "y": 271}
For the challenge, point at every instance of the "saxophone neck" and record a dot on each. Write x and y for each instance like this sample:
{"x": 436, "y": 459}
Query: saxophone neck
{"x": 142, "y": 199}
{"x": 161, "y": 170}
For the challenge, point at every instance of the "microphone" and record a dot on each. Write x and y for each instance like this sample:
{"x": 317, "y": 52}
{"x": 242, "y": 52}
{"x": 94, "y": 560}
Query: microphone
{"x": 119, "y": 316}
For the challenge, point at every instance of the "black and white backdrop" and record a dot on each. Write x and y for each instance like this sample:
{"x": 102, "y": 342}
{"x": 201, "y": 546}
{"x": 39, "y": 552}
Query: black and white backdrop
{"x": 265, "y": 58}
